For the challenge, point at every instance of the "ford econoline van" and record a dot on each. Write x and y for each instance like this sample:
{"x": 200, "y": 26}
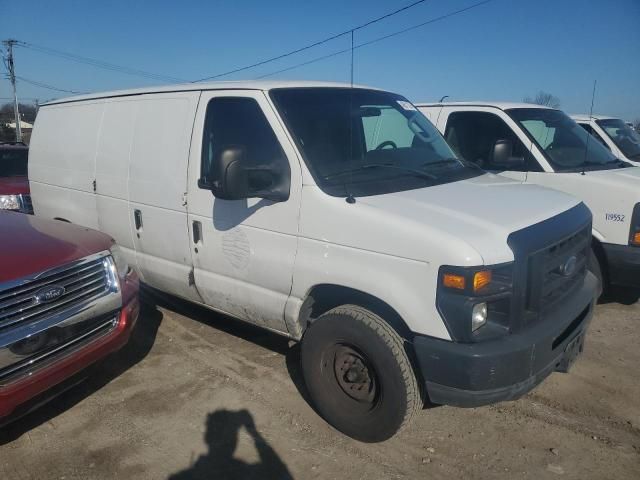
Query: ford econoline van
{"x": 336, "y": 216}
{"x": 617, "y": 136}
{"x": 539, "y": 145}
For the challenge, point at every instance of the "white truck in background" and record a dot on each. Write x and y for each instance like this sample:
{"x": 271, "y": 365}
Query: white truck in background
{"x": 616, "y": 135}
{"x": 533, "y": 144}
{"x": 336, "y": 216}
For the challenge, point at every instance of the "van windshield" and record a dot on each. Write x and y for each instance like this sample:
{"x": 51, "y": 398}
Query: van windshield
{"x": 566, "y": 145}
{"x": 13, "y": 162}
{"x": 366, "y": 142}
{"x": 625, "y": 137}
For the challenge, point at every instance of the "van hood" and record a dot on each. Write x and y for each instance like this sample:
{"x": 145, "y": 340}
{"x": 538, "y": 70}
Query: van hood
{"x": 471, "y": 218}
{"x": 14, "y": 185}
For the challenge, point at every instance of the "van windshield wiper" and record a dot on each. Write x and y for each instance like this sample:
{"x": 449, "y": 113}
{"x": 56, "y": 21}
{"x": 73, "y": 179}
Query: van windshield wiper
{"x": 412, "y": 171}
{"x": 458, "y": 161}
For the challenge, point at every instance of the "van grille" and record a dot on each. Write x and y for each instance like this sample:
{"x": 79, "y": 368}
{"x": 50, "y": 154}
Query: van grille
{"x": 549, "y": 282}
{"x": 54, "y": 291}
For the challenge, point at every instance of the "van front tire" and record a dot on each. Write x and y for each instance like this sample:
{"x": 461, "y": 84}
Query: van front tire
{"x": 358, "y": 374}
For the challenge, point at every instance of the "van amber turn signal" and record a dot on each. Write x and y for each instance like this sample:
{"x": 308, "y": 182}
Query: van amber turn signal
{"x": 481, "y": 279}
{"x": 451, "y": 280}
{"x": 635, "y": 239}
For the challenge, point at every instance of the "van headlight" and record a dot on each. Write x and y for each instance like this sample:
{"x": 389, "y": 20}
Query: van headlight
{"x": 475, "y": 301}
{"x": 9, "y": 202}
{"x": 120, "y": 261}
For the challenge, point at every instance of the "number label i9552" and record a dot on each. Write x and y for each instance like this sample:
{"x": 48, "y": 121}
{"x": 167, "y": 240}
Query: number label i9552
{"x": 614, "y": 217}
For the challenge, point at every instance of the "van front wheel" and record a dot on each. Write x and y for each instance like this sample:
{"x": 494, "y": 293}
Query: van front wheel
{"x": 358, "y": 374}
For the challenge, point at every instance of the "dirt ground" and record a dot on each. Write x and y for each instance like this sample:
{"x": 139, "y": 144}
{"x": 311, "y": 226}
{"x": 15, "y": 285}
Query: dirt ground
{"x": 196, "y": 395}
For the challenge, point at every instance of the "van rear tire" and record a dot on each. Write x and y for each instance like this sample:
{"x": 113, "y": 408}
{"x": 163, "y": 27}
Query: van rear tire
{"x": 595, "y": 268}
{"x": 358, "y": 374}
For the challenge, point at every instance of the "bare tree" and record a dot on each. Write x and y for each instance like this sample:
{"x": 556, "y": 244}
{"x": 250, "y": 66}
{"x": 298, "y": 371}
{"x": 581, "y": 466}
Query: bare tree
{"x": 544, "y": 98}
{"x": 636, "y": 124}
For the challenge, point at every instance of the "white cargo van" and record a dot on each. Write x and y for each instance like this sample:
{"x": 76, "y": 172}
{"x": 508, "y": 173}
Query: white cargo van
{"x": 617, "y": 136}
{"x": 336, "y": 216}
{"x": 540, "y": 145}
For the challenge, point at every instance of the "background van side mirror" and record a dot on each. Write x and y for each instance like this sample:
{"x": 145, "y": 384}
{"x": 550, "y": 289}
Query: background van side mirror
{"x": 502, "y": 155}
{"x": 235, "y": 179}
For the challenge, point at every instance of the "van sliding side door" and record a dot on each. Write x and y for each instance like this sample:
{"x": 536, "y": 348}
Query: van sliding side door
{"x": 157, "y": 190}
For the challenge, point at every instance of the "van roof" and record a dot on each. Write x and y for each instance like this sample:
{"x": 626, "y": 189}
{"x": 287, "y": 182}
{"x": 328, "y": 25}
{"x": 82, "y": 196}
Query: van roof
{"x": 184, "y": 87}
{"x": 500, "y": 105}
{"x": 584, "y": 117}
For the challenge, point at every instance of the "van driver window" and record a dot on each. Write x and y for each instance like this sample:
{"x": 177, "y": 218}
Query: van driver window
{"x": 238, "y": 122}
{"x": 472, "y": 135}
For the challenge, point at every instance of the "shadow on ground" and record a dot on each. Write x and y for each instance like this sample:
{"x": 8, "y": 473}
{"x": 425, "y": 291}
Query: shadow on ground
{"x": 95, "y": 377}
{"x": 221, "y": 437}
{"x": 623, "y": 295}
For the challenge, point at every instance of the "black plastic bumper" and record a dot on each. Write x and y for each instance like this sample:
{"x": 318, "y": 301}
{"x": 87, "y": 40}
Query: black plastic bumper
{"x": 474, "y": 374}
{"x": 623, "y": 262}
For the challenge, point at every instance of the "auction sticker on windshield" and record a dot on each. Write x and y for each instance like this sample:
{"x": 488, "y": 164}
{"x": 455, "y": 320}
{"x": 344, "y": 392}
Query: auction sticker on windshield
{"x": 406, "y": 105}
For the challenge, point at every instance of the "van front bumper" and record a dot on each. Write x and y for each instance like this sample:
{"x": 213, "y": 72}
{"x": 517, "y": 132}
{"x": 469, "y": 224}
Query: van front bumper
{"x": 623, "y": 262}
{"x": 474, "y": 374}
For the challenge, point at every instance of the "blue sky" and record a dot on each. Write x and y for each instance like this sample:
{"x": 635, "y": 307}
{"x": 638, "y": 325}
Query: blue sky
{"x": 504, "y": 50}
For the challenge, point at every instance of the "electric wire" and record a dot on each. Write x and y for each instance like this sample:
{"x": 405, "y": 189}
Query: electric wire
{"x": 379, "y": 39}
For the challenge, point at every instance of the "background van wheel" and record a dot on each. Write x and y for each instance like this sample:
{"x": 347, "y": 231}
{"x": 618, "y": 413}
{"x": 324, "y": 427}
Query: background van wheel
{"x": 358, "y": 374}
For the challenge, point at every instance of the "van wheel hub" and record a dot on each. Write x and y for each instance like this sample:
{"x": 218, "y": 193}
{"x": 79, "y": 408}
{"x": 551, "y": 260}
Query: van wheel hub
{"x": 353, "y": 374}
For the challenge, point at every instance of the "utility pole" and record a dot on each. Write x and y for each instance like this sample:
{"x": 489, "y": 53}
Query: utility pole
{"x": 12, "y": 77}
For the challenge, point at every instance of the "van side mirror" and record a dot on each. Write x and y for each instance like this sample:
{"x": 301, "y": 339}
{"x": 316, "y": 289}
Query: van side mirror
{"x": 502, "y": 155}
{"x": 235, "y": 179}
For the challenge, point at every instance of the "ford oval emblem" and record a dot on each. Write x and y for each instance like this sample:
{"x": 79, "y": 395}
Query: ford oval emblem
{"x": 568, "y": 268}
{"x": 49, "y": 294}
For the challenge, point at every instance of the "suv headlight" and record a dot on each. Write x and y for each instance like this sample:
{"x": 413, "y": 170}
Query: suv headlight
{"x": 119, "y": 259}
{"x": 9, "y": 202}
{"x": 475, "y": 301}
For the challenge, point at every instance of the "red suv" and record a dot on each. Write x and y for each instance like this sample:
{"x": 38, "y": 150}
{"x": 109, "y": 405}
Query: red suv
{"x": 67, "y": 299}
{"x": 14, "y": 184}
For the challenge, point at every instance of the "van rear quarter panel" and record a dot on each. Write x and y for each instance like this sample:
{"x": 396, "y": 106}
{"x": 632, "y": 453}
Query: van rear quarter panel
{"x": 62, "y": 161}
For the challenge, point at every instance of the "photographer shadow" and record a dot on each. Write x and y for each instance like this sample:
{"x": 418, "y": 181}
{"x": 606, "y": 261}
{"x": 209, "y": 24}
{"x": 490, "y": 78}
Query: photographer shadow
{"x": 223, "y": 428}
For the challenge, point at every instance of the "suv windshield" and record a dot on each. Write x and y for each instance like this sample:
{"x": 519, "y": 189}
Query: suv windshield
{"x": 625, "y": 137}
{"x": 566, "y": 145}
{"x": 13, "y": 162}
{"x": 366, "y": 142}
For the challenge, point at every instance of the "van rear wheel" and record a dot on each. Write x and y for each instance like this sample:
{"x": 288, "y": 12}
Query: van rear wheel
{"x": 358, "y": 374}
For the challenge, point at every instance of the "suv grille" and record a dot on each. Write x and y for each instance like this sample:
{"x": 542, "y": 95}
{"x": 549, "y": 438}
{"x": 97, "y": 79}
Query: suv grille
{"x": 557, "y": 270}
{"x": 54, "y": 291}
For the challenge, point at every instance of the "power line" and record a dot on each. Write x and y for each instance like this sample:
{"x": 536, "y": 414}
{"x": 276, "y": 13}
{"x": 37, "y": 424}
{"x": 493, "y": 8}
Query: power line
{"x": 379, "y": 39}
{"x": 45, "y": 85}
{"x": 99, "y": 63}
{"x": 315, "y": 44}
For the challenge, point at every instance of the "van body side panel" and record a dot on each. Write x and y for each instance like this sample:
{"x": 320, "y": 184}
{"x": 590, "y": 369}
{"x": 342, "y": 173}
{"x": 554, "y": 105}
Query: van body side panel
{"x": 243, "y": 262}
{"x": 157, "y": 190}
{"x": 112, "y": 172}
{"x": 62, "y": 161}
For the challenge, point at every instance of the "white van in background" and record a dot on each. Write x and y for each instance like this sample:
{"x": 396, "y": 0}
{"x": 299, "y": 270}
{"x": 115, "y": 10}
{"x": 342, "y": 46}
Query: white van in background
{"x": 619, "y": 137}
{"x": 535, "y": 144}
{"x": 336, "y": 216}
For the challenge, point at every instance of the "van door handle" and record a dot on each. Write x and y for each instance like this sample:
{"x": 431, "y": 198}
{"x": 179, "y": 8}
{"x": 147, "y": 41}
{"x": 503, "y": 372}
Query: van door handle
{"x": 137, "y": 217}
{"x": 197, "y": 232}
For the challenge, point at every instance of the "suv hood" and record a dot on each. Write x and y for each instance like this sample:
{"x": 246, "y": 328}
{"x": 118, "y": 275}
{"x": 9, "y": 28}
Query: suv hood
{"x": 14, "y": 185}
{"x": 467, "y": 221}
{"x": 31, "y": 245}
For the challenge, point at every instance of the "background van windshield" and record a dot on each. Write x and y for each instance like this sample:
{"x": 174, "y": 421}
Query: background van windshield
{"x": 563, "y": 141}
{"x": 13, "y": 162}
{"x": 625, "y": 137}
{"x": 366, "y": 142}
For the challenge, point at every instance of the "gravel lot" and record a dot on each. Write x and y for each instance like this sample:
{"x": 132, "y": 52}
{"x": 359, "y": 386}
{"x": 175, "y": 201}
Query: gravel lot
{"x": 196, "y": 395}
